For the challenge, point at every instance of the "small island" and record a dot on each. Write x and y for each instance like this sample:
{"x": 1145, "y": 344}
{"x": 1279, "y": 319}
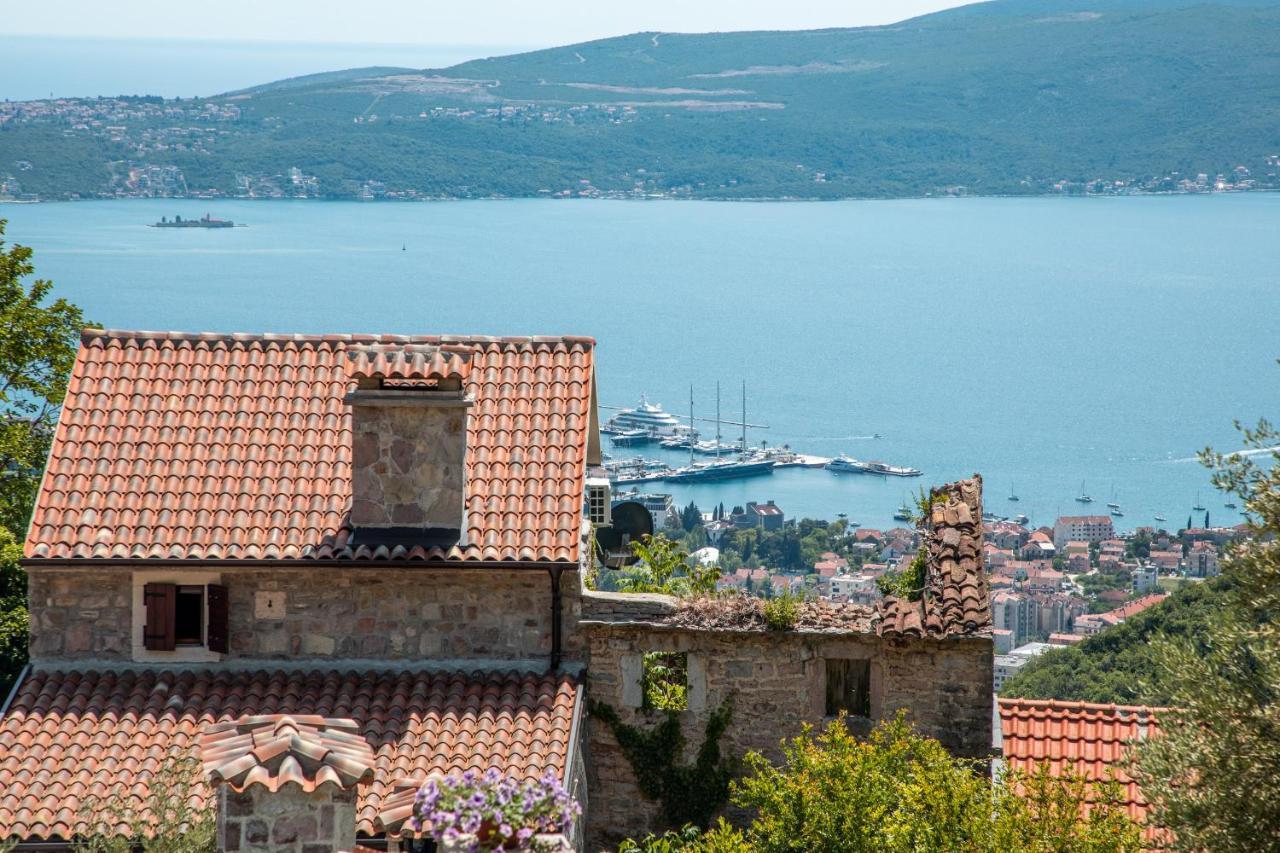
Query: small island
{"x": 205, "y": 221}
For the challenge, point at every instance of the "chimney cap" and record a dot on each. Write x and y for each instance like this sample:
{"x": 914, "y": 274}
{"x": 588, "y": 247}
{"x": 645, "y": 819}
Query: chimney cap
{"x": 414, "y": 362}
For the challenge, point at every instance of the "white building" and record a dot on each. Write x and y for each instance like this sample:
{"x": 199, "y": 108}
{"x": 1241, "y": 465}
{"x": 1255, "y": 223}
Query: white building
{"x": 1082, "y": 528}
{"x": 1146, "y": 579}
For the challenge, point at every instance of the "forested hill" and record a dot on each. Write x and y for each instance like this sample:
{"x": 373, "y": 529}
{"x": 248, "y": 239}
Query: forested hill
{"x": 1010, "y": 96}
{"x": 1120, "y": 664}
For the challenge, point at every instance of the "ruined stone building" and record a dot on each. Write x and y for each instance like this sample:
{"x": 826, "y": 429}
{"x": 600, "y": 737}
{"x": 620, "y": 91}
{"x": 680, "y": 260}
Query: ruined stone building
{"x": 329, "y": 567}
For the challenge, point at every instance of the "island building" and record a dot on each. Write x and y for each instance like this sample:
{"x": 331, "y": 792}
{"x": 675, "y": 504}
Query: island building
{"x": 365, "y": 555}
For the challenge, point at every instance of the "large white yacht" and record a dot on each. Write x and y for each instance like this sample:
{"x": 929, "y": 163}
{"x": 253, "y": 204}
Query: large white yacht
{"x": 647, "y": 416}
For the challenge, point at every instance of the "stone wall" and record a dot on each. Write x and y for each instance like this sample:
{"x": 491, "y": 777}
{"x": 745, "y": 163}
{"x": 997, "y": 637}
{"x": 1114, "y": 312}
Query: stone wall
{"x": 286, "y": 821}
{"x": 323, "y": 614}
{"x": 407, "y": 459}
{"x": 775, "y": 681}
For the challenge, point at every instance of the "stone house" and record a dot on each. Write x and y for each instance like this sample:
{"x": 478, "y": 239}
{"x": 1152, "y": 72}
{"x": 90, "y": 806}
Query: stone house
{"x": 363, "y": 556}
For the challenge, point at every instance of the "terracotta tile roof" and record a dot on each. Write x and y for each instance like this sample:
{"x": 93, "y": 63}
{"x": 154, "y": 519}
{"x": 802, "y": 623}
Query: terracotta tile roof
{"x": 238, "y": 447}
{"x": 409, "y": 361}
{"x": 1090, "y": 739}
{"x": 955, "y": 599}
{"x": 70, "y": 735}
{"x": 273, "y": 750}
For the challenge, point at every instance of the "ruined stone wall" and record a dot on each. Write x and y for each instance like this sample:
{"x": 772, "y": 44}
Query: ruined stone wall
{"x": 319, "y": 614}
{"x": 776, "y": 681}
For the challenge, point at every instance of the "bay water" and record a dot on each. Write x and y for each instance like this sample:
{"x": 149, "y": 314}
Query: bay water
{"x": 1050, "y": 344}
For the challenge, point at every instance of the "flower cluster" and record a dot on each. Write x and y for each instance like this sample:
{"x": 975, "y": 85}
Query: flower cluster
{"x": 491, "y": 812}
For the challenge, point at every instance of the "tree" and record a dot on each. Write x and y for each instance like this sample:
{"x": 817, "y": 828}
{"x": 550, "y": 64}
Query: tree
{"x": 665, "y": 567}
{"x": 690, "y": 517}
{"x": 900, "y": 792}
{"x": 37, "y": 348}
{"x": 13, "y": 612}
{"x": 1211, "y": 776}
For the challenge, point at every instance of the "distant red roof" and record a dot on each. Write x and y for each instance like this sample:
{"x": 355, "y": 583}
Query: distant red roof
{"x": 69, "y": 735}
{"x": 238, "y": 447}
{"x": 1090, "y": 739}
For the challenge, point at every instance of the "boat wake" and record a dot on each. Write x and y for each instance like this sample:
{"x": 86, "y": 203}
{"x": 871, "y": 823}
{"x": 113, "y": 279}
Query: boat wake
{"x": 838, "y": 437}
{"x": 1243, "y": 452}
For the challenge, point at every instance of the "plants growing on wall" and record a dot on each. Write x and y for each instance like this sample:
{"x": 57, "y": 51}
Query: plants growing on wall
{"x": 688, "y": 793}
{"x": 489, "y": 811}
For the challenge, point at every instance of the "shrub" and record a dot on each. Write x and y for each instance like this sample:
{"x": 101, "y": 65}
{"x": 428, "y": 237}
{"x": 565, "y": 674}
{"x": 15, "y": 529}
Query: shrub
{"x": 495, "y": 812}
{"x": 665, "y": 567}
{"x": 176, "y": 824}
{"x": 665, "y": 681}
{"x": 781, "y": 612}
{"x": 900, "y": 792}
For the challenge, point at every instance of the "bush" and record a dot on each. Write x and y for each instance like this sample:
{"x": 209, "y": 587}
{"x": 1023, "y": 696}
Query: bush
{"x": 781, "y": 612}
{"x": 175, "y": 825}
{"x": 721, "y": 838}
{"x": 899, "y": 792}
{"x": 665, "y": 681}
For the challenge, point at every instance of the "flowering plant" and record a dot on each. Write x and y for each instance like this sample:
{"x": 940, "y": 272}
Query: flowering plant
{"x": 492, "y": 812}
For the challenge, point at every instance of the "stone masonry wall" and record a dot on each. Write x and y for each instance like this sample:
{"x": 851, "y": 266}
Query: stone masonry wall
{"x": 407, "y": 464}
{"x": 323, "y": 614}
{"x": 776, "y": 681}
{"x": 286, "y": 821}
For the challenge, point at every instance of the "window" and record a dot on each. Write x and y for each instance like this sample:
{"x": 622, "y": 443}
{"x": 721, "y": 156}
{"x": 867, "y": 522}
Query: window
{"x": 849, "y": 687}
{"x": 185, "y": 615}
{"x": 598, "y": 502}
{"x": 665, "y": 681}
{"x": 188, "y": 616}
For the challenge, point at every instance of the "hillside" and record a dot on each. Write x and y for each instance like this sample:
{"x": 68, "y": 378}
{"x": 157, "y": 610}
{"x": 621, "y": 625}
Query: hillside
{"x": 1119, "y": 665}
{"x": 1012, "y": 96}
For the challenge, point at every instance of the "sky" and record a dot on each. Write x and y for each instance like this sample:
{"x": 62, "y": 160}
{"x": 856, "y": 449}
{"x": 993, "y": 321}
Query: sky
{"x": 479, "y": 22}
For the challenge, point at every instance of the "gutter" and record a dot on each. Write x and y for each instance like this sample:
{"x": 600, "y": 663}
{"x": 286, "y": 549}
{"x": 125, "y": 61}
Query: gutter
{"x": 13, "y": 691}
{"x": 556, "y": 616}
{"x": 575, "y": 731}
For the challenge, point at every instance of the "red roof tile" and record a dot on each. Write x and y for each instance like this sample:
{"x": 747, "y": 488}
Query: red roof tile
{"x": 409, "y": 361}
{"x": 239, "y": 447}
{"x": 955, "y": 599}
{"x": 273, "y": 750}
{"x": 70, "y": 735}
{"x": 1088, "y": 738}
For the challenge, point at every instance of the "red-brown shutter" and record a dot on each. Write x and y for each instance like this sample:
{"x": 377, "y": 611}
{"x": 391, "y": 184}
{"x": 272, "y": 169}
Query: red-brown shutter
{"x": 159, "y": 599}
{"x": 217, "y": 636}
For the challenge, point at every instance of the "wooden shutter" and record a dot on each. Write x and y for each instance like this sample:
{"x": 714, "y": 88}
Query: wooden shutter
{"x": 159, "y": 599}
{"x": 216, "y": 639}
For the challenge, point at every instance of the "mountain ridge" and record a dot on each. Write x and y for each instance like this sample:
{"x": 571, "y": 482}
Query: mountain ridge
{"x": 1008, "y": 96}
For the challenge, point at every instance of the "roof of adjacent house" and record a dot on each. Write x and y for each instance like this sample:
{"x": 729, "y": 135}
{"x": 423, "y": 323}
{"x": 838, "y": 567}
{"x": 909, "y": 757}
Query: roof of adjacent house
{"x": 275, "y": 750}
{"x": 955, "y": 600}
{"x": 238, "y": 447}
{"x": 70, "y": 736}
{"x": 1090, "y": 739}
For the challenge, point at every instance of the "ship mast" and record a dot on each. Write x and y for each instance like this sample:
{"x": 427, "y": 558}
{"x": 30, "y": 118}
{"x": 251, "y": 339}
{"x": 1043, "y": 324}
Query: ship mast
{"x": 717, "y": 420}
{"x": 692, "y": 433}
{"x": 743, "y": 450}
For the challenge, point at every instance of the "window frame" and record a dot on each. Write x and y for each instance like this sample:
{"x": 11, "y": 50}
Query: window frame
{"x": 213, "y": 643}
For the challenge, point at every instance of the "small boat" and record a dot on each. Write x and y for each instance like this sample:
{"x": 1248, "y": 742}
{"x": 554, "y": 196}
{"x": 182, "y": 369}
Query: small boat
{"x": 1197, "y": 507}
{"x": 903, "y": 513}
{"x": 1013, "y": 496}
{"x": 1116, "y": 512}
{"x": 1020, "y": 519}
{"x": 1084, "y": 497}
{"x": 631, "y": 437}
{"x": 1230, "y": 504}
{"x": 1159, "y": 517}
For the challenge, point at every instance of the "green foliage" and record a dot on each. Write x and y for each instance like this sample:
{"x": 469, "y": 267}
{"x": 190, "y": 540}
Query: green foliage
{"x": 1211, "y": 776}
{"x": 688, "y": 793}
{"x": 906, "y": 583}
{"x": 665, "y": 681}
{"x": 1122, "y": 663}
{"x": 721, "y": 838}
{"x": 13, "y": 612}
{"x": 899, "y": 791}
{"x": 665, "y": 567}
{"x": 794, "y": 548}
{"x": 690, "y": 517}
{"x": 168, "y": 822}
{"x": 782, "y": 611}
{"x": 38, "y": 345}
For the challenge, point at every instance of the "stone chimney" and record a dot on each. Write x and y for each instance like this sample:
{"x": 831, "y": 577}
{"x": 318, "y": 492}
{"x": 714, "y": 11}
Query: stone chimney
{"x": 409, "y": 441}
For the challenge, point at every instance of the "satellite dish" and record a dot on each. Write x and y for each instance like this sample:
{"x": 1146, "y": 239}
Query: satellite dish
{"x": 630, "y": 522}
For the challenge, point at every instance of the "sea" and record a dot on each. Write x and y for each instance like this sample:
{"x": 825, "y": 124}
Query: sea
{"x": 1053, "y": 345}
